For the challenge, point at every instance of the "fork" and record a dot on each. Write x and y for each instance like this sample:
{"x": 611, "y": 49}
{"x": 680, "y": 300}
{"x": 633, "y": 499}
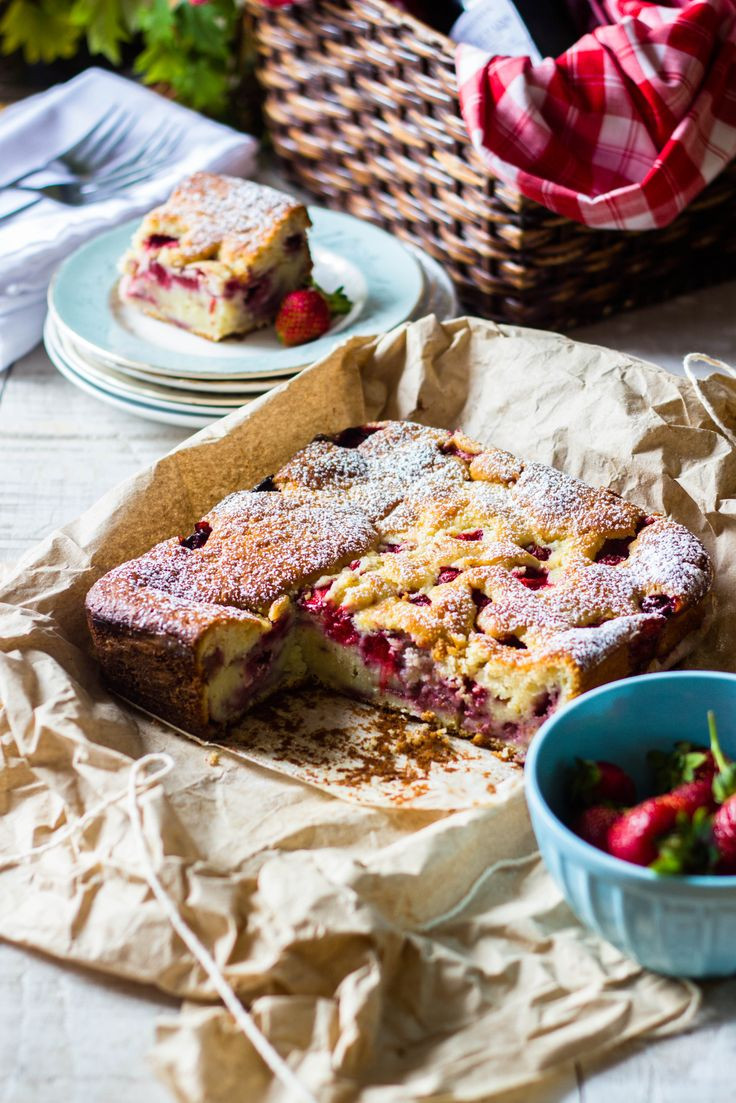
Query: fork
{"x": 149, "y": 156}
{"x": 91, "y": 151}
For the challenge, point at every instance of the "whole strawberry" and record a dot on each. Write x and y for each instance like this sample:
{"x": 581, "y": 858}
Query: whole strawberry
{"x": 593, "y": 824}
{"x": 307, "y": 314}
{"x": 636, "y": 836}
{"x": 600, "y": 783}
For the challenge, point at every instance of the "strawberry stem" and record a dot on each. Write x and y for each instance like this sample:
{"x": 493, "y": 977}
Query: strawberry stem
{"x": 724, "y": 781}
{"x": 337, "y": 301}
{"x": 721, "y": 760}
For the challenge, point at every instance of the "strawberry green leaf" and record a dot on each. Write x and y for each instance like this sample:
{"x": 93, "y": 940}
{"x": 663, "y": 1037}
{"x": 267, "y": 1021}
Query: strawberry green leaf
{"x": 673, "y": 768}
{"x": 689, "y": 848}
{"x": 337, "y": 301}
{"x": 584, "y": 777}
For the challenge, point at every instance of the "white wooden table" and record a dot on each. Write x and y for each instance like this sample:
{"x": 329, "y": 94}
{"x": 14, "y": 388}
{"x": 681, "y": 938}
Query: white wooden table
{"x": 68, "y": 1036}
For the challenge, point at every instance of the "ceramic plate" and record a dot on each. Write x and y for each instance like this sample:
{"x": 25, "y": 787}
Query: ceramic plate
{"x": 379, "y": 274}
{"x": 438, "y": 297}
{"x": 229, "y": 387}
{"x": 116, "y": 382}
{"x": 130, "y": 406}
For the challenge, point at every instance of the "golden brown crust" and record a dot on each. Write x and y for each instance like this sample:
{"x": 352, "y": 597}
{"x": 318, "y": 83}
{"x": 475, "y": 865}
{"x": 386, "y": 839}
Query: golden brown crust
{"x": 152, "y": 670}
{"x": 228, "y": 223}
{"x": 259, "y": 547}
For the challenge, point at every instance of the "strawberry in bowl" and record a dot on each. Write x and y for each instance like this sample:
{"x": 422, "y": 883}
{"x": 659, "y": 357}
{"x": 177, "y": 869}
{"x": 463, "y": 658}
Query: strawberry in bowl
{"x": 653, "y": 872}
{"x": 687, "y": 823}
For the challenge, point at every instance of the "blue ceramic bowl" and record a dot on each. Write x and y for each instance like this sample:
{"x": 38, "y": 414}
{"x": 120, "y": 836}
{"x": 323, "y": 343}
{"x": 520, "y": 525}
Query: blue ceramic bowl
{"x": 682, "y": 926}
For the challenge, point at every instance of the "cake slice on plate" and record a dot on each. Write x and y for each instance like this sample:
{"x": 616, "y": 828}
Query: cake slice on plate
{"x": 218, "y": 256}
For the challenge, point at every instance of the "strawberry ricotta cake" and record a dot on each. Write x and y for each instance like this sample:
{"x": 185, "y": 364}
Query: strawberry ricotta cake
{"x": 218, "y": 257}
{"x": 407, "y": 566}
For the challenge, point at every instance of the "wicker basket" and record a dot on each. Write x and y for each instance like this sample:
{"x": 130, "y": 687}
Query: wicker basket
{"x": 362, "y": 107}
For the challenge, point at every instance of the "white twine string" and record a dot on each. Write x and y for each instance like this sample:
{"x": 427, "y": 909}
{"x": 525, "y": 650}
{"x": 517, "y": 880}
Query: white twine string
{"x": 694, "y": 357}
{"x": 141, "y": 778}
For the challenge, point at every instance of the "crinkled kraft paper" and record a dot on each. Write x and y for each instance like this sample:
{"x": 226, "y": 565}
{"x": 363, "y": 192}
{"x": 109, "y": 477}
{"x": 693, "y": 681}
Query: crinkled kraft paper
{"x": 394, "y": 950}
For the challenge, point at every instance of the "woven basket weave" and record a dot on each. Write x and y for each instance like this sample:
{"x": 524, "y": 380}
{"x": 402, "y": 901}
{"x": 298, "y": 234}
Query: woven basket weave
{"x": 362, "y": 107}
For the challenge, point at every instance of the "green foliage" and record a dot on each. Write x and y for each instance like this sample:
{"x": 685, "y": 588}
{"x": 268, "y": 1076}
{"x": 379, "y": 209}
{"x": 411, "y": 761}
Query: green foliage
{"x": 42, "y": 29}
{"x": 105, "y": 24}
{"x": 188, "y": 47}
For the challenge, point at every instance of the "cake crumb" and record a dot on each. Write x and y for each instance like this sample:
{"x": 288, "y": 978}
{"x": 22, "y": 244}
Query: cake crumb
{"x": 214, "y": 758}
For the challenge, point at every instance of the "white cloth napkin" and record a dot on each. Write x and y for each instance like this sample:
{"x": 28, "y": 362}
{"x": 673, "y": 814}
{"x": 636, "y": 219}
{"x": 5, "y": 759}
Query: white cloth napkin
{"x": 33, "y": 242}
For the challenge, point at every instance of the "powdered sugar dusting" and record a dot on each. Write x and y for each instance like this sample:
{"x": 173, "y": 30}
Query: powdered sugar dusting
{"x": 672, "y": 561}
{"x": 562, "y": 505}
{"x": 223, "y": 218}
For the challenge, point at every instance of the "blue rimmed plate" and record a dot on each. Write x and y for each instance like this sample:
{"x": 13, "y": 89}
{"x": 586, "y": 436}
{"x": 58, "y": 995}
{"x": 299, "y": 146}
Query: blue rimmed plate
{"x": 140, "y": 408}
{"x": 381, "y": 277}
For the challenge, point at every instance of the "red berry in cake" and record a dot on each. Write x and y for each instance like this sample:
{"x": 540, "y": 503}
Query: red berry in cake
{"x": 601, "y": 782}
{"x": 267, "y": 486}
{"x": 614, "y": 552}
{"x": 447, "y": 574}
{"x": 593, "y": 824}
{"x": 420, "y": 599}
{"x": 538, "y": 551}
{"x": 198, "y": 538}
{"x": 534, "y": 578}
{"x": 658, "y": 603}
{"x": 307, "y": 314}
{"x": 480, "y": 600}
{"x": 354, "y": 436}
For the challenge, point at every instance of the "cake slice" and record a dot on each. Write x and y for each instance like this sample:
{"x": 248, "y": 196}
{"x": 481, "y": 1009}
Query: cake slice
{"x": 218, "y": 257}
{"x": 411, "y": 567}
{"x": 201, "y": 627}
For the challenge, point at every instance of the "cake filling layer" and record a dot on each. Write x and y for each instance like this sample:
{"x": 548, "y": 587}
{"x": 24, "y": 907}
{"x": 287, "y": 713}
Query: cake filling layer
{"x": 200, "y": 300}
{"x": 391, "y": 670}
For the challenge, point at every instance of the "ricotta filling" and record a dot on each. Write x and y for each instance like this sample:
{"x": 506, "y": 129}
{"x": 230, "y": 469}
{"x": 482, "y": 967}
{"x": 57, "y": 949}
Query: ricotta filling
{"x": 198, "y": 298}
{"x": 321, "y": 642}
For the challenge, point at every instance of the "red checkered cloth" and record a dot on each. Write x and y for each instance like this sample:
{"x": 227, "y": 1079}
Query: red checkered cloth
{"x": 624, "y": 129}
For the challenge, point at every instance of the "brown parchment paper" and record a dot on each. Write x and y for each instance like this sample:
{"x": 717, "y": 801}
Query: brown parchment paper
{"x": 395, "y": 951}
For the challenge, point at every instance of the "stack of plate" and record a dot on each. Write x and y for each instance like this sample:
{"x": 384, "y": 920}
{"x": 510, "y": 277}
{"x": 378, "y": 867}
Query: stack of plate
{"x": 160, "y": 372}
